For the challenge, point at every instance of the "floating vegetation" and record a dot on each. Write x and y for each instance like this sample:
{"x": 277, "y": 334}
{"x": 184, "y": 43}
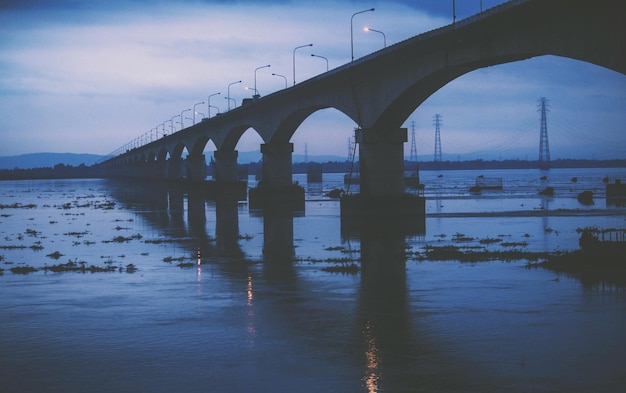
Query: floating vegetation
{"x": 23, "y": 270}
{"x": 12, "y": 247}
{"x": 32, "y": 232}
{"x": 489, "y": 240}
{"x": 123, "y": 239}
{"x": 514, "y": 244}
{"x": 186, "y": 264}
{"x": 77, "y": 234}
{"x": 81, "y": 266}
{"x": 459, "y": 237}
{"x": 36, "y": 247}
{"x": 18, "y": 206}
{"x": 454, "y": 253}
{"x": 172, "y": 259}
{"x": 351, "y": 268}
{"x": 245, "y": 237}
{"x": 337, "y": 248}
{"x": 55, "y": 255}
{"x": 159, "y": 241}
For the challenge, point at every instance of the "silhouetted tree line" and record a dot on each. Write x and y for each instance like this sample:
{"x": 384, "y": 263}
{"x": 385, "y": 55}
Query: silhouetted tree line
{"x": 61, "y": 171}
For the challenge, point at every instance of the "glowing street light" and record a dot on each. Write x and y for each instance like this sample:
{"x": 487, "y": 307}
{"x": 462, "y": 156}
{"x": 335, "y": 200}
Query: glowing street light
{"x": 255, "y": 70}
{"x": 322, "y": 57}
{"x": 282, "y": 76}
{"x": 228, "y": 97}
{"x": 209, "y": 103}
{"x": 194, "y": 111}
{"x": 352, "y": 30}
{"x": 256, "y": 92}
{"x": 294, "y": 60}
{"x": 366, "y": 29}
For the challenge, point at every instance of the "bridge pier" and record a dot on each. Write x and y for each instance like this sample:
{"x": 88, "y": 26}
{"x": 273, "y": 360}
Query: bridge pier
{"x": 226, "y": 183}
{"x": 175, "y": 168}
{"x": 381, "y": 159}
{"x": 276, "y": 186}
{"x": 196, "y": 168}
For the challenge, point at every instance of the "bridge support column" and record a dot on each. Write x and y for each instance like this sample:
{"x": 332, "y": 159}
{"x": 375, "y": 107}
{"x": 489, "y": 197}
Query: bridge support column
{"x": 160, "y": 169}
{"x": 277, "y": 186}
{"x": 196, "y": 168}
{"x": 381, "y": 160}
{"x": 175, "y": 168}
{"x": 225, "y": 165}
{"x": 226, "y": 183}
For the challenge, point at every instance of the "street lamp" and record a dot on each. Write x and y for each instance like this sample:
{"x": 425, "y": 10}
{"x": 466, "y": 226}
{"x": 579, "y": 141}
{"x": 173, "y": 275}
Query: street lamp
{"x": 312, "y": 55}
{"x": 256, "y": 92}
{"x": 282, "y": 76}
{"x": 181, "y": 118}
{"x": 453, "y": 11}
{"x": 163, "y": 125}
{"x": 209, "y": 102}
{"x": 228, "y": 98}
{"x": 232, "y": 83}
{"x": 294, "y": 60}
{"x": 172, "y": 123}
{"x": 379, "y": 32}
{"x": 255, "y": 70}
{"x": 352, "y": 30}
{"x": 194, "y": 111}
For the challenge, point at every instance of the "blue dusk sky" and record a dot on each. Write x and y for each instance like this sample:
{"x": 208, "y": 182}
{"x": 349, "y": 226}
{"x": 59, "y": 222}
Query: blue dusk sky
{"x": 85, "y": 76}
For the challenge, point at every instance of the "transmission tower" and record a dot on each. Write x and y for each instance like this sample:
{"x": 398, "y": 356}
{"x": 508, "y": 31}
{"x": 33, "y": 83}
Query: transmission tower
{"x": 413, "y": 154}
{"x": 544, "y": 148}
{"x": 437, "y": 122}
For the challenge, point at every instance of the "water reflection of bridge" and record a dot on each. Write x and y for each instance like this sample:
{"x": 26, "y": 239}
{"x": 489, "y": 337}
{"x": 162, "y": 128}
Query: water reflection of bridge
{"x": 383, "y": 332}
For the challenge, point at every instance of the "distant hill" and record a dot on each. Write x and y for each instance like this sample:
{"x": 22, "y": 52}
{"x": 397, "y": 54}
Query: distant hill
{"x": 48, "y": 160}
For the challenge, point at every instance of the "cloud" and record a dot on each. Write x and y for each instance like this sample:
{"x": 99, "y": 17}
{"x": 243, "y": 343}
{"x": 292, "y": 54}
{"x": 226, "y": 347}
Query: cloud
{"x": 91, "y": 76}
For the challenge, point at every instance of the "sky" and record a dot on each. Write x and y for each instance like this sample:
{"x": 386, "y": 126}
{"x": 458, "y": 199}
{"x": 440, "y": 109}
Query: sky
{"x": 89, "y": 76}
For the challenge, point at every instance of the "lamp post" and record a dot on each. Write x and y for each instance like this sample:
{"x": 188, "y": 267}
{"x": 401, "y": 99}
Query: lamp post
{"x": 255, "y": 70}
{"x": 256, "y": 92}
{"x": 181, "y": 118}
{"x": 163, "y": 125}
{"x": 172, "y": 123}
{"x": 209, "y": 102}
{"x": 282, "y": 76}
{"x": 228, "y": 98}
{"x": 379, "y": 32}
{"x": 352, "y": 30}
{"x": 194, "y": 111}
{"x": 453, "y": 11}
{"x": 230, "y": 84}
{"x": 312, "y": 55}
{"x": 294, "y": 60}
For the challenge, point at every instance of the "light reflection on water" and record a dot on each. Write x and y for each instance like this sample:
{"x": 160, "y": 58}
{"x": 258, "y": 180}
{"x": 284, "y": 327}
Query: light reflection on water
{"x": 250, "y": 319}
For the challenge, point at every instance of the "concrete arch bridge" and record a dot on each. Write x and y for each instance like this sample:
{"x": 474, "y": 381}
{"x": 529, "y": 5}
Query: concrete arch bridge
{"x": 380, "y": 91}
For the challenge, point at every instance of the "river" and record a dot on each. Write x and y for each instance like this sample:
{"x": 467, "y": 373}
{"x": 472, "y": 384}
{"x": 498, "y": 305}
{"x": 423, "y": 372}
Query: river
{"x": 148, "y": 289}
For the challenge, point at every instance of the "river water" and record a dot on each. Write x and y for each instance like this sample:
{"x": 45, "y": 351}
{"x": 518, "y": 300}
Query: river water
{"x": 177, "y": 293}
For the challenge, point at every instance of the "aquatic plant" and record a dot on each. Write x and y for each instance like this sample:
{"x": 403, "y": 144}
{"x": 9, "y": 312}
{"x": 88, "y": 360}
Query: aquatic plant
{"x": 55, "y": 255}
{"x": 23, "y": 269}
{"x": 351, "y": 268}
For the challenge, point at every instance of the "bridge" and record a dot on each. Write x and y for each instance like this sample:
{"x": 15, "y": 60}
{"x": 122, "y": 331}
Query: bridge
{"x": 379, "y": 92}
